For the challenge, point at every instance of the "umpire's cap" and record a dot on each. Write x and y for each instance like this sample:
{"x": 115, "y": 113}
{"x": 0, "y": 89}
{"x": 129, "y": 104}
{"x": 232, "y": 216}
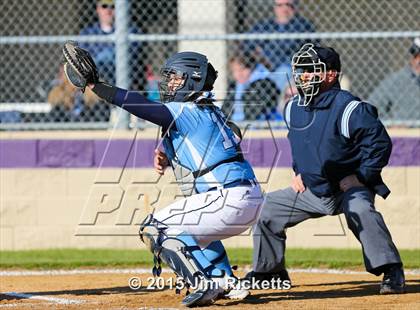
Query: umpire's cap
{"x": 329, "y": 56}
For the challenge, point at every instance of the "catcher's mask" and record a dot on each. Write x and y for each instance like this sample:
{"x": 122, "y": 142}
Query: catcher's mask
{"x": 184, "y": 76}
{"x": 310, "y": 65}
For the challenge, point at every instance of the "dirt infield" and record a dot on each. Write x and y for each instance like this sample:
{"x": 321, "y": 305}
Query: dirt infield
{"x": 111, "y": 291}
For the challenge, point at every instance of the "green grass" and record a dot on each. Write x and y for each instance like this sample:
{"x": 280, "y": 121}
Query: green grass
{"x": 324, "y": 258}
{"x": 75, "y": 258}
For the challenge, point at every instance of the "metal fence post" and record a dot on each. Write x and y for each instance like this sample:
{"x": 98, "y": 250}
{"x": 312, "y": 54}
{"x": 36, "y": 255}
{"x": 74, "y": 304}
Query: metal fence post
{"x": 121, "y": 118}
{"x": 217, "y": 28}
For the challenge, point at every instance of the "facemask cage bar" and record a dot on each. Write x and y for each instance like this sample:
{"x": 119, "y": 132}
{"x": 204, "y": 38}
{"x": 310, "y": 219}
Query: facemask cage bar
{"x": 171, "y": 81}
{"x": 305, "y": 61}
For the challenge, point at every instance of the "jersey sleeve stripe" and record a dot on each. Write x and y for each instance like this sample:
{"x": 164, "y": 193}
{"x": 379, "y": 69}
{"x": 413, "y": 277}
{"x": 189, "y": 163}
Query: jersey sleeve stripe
{"x": 287, "y": 112}
{"x": 345, "y": 119}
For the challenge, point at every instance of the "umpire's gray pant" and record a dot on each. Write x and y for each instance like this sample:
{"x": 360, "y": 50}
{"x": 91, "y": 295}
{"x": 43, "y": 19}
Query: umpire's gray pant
{"x": 285, "y": 208}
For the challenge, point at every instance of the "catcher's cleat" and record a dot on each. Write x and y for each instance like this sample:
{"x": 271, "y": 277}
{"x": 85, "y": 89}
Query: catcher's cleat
{"x": 202, "y": 297}
{"x": 233, "y": 290}
{"x": 236, "y": 294}
{"x": 393, "y": 281}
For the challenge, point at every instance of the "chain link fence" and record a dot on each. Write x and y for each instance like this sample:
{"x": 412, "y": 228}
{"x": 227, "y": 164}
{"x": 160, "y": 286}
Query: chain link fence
{"x": 249, "y": 42}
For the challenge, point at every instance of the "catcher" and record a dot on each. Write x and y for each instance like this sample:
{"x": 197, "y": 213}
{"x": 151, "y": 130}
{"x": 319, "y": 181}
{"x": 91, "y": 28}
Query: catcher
{"x": 223, "y": 198}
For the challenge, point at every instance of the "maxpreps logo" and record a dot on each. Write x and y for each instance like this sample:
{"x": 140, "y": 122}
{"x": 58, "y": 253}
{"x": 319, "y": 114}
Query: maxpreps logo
{"x": 123, "y": 192}
{"x": 126, "y": 188}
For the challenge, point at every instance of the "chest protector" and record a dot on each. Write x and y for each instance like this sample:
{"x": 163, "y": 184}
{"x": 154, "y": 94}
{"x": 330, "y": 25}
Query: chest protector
{"x": 184, "y": 176}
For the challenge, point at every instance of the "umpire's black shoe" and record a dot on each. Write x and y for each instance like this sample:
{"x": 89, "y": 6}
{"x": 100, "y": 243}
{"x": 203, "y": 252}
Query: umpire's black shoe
{"x": 283, "y": 275}
{"x": 393, "y": 281}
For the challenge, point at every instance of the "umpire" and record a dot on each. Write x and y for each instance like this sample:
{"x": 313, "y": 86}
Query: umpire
{"x": 339, "y": 148}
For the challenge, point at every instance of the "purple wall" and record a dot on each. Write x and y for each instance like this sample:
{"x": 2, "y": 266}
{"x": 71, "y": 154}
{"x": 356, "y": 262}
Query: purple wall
{"x": 139, "y": 153}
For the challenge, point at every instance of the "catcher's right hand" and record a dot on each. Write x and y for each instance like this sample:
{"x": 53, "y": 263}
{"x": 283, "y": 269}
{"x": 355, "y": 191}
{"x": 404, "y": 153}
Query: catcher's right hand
{"x": 79, "y": 67}
{"x": 160, "y": 161}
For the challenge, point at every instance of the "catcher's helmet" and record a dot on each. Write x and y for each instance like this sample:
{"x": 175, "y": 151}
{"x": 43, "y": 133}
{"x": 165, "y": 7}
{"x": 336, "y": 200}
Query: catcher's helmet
{"x": 184, "y": 76}
{"x": 315, "y": 60}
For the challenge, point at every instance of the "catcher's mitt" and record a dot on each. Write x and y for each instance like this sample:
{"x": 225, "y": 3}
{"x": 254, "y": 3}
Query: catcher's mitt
{"x": 79, "y": 67}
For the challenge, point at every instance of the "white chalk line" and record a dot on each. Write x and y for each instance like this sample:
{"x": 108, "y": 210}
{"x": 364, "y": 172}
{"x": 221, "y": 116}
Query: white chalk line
{"x": 60, "y": 272}
{"x": 61, "y": 301}
{"x": 26, "y": 304}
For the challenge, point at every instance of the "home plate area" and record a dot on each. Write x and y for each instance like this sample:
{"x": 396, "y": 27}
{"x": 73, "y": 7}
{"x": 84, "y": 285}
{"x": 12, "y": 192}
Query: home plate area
{"x": 109, "y": 289}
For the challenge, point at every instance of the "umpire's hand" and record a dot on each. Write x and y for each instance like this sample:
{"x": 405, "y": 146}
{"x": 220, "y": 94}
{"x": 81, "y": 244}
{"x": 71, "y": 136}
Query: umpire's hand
{"x": 349, "y": 182}
{"x": 160, "y": 161}
{"x": 297, "y": 184}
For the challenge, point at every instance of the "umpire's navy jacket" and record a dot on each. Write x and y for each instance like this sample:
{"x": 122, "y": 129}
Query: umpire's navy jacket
{"x": 335, "y": 136}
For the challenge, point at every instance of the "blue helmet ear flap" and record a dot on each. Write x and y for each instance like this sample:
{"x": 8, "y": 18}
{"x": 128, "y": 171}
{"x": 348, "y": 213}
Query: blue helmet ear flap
{"x": 210, "y": 78}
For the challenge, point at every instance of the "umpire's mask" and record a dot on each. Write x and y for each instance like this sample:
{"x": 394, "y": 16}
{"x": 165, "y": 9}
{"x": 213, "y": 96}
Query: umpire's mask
{"x": 310, "y": 65}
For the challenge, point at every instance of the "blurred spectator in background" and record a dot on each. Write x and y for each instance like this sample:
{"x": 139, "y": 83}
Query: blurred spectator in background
{"x": 71, "y": 105}
{"x": 104, "y": 52}
{"x": 10, "y": 117}
{"x": 282, "y": 76}
{"x": 345, "y": 82}
{"x": 397, "y": 97}
{"x": 279, "y": 52}
{"x": 287, "y": 93}
{"x": 252, "y": 95}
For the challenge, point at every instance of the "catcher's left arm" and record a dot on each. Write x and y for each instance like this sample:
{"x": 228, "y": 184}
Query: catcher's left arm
{"x": 81, "y": 71}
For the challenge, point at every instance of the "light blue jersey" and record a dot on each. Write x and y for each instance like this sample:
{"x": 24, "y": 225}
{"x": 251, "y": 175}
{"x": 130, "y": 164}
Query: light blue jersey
{"x": 202, "y": 139}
